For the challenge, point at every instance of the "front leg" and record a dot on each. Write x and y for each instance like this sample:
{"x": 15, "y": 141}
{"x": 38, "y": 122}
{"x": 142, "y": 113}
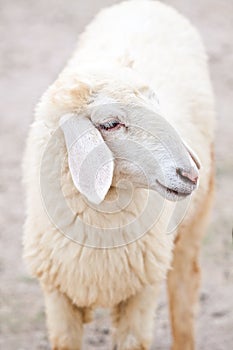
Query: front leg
{"x": 64, "y": 321}
{"x": 133, "y": 320}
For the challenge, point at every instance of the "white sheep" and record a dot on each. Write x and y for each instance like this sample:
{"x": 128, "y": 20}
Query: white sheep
{"x": 134, "y": 110}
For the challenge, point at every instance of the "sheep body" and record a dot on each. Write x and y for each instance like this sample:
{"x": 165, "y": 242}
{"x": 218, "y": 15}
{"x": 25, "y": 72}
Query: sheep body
{"x": 164, "y": 52}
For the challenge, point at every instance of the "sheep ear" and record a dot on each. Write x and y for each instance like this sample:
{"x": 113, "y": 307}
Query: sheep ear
{"x": 90, "y": 160}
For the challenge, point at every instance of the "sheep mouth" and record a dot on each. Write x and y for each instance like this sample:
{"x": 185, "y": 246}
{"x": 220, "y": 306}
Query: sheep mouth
{"x": 172, "y": 194}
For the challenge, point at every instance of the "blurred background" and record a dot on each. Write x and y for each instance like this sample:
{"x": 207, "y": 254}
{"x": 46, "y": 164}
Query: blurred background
{"x": 37, "y": 37}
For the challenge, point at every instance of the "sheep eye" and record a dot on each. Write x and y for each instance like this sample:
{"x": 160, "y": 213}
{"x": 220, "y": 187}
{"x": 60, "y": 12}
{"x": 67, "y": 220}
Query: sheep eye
{"x": 111, "y": 125}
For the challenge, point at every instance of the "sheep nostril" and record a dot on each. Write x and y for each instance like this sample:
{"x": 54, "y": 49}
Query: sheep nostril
{"x": 190, "y": 175}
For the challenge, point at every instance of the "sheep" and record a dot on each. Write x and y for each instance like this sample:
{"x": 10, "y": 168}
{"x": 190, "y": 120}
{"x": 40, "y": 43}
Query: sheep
{"x": 121, "y": 137}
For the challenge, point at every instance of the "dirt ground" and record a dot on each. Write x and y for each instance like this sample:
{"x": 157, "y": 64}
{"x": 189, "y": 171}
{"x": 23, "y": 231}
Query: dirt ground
{"x": 37, "y": 37}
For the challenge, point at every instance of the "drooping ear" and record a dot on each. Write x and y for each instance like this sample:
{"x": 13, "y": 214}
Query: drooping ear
{"x": 90, "y": 160}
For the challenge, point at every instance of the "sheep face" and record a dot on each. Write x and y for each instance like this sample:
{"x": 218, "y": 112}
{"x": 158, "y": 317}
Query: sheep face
{"x": 114, "y": 143}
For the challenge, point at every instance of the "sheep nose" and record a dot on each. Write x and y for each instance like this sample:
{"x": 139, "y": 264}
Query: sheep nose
{"x": 190, "y": 175}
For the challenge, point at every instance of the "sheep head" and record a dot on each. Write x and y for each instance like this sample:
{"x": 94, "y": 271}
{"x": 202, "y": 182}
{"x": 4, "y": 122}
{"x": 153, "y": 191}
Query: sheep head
{"x": 128, "y": 139}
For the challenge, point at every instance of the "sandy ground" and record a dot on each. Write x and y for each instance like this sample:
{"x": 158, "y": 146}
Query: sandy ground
{"x": 37, "y": 37}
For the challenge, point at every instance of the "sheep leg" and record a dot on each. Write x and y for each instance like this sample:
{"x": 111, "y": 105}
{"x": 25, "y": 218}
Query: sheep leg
{"x": 184, "y": 278}
{"x": 64, "y": 321}
{"x": 183, "y": 285}
{"x": 133, "y": 320}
